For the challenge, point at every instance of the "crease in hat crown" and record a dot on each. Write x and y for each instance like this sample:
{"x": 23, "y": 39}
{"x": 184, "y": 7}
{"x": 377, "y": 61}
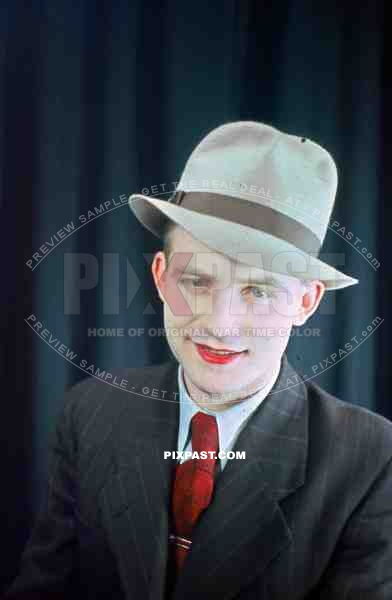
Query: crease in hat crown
{"x": 267, "y": 173}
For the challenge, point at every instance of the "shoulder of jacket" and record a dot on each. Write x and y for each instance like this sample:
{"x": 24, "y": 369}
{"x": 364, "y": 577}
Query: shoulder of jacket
{"x": 351, "y": 423}
{"x": 92, "y": 392}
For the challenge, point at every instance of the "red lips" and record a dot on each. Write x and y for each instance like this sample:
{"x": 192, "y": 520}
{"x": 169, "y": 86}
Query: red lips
{"x": 206, "y": 354}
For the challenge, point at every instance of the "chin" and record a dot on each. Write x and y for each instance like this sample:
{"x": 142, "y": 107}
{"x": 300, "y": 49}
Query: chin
{"x": 211, "y": 386}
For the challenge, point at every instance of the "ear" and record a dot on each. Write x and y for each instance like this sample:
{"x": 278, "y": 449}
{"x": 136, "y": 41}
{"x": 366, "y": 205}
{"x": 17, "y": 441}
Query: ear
{"x": 158, "y": 267}
{"x": 312, "y": 294}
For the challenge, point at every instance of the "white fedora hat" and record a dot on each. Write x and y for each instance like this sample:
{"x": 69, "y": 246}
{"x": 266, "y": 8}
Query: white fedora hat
{"x": 258, "y": 195}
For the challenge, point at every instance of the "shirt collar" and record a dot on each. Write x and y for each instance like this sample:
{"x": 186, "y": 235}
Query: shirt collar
{"x": 229, "y": 421}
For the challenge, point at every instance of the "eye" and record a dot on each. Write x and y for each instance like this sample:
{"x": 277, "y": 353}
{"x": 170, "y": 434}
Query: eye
{"x": 187, "y": 281}
{"x": 201, "y": 281}
{"x": 267, "y": 294}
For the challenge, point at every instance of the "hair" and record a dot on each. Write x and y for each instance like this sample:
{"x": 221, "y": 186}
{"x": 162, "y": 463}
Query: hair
{"x": 168, "y": 229}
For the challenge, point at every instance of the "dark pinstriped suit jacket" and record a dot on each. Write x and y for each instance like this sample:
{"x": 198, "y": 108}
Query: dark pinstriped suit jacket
{"x": 307, "y": 515}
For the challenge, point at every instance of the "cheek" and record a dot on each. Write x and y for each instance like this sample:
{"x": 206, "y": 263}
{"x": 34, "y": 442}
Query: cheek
{"x": 284, "y": 308}
{"x": 273, "y": 313}
{"x": 172, "y": 320}
{"x": 176, "y": 303}
{"x": 271, "y": 330}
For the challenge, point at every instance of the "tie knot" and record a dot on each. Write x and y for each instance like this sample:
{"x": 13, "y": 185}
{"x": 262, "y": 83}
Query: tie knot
{"x": 204, "y": 432}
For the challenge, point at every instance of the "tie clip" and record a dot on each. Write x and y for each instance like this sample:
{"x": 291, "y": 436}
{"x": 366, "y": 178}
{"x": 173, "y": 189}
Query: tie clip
{"x": 180, "y": 541}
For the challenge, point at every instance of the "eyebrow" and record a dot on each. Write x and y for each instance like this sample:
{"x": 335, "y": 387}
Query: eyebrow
{"x": 192, "y": 271}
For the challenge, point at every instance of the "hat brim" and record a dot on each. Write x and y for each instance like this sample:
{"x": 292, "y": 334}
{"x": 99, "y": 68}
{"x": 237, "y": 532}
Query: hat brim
{"x": 235, "y": 240}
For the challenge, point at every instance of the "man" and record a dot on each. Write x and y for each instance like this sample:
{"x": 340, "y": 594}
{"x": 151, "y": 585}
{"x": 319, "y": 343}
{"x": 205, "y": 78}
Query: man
{"x": 306, "y": 513}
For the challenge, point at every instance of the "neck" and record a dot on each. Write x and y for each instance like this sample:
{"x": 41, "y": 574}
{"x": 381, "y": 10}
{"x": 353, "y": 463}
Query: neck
{"x": 218, "y": 404}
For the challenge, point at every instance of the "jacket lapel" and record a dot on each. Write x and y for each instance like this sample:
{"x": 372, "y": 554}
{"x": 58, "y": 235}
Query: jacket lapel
{"x": 135, "y": 498}
{"x": 244, "y": 527}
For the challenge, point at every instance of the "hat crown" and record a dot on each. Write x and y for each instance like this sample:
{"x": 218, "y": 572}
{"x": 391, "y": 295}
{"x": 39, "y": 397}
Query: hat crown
{"x": 259, "y": 163}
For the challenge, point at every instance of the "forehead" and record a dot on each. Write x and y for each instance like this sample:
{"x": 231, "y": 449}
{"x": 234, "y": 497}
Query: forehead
{"x": 207, "y": 260}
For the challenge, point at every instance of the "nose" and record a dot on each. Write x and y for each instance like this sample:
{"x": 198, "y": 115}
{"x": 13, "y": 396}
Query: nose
{"x": 227, "y": 309}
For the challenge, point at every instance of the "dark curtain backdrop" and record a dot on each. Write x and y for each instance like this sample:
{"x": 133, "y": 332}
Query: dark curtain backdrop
{"x": 102, "y": 99}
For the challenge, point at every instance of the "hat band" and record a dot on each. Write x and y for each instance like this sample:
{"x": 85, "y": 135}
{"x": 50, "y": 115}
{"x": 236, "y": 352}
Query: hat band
{"x": 250, "y": 214}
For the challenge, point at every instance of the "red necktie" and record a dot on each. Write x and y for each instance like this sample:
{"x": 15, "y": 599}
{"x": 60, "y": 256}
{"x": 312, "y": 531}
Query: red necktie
{"x": 193, "y": 484}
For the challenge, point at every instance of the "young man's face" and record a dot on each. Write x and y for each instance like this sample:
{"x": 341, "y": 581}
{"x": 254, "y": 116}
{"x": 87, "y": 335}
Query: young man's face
{"x": 212, "y": 300}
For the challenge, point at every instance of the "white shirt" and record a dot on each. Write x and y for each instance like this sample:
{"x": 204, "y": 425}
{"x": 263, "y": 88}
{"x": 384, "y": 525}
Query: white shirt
{"x": 230, "y": 421}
